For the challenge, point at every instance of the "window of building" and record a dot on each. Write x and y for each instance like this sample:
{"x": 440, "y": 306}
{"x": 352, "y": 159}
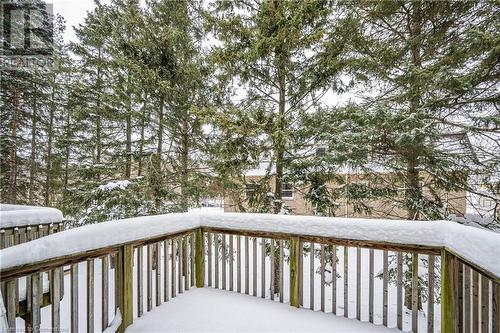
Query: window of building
{"x": 250, "y": 190}
{"x": 286, "y": 190}
{"x": 320, "y": 151}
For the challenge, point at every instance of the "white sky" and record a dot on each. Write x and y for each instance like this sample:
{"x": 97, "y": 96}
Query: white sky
{"x": 74, "y": 11}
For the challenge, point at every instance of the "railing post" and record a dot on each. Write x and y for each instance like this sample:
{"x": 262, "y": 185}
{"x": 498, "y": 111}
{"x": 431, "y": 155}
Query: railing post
{"x": 294, "y": 271}
{"x": 124, "y": 270}
{"x": 449, "y": 292}
{"x": 200, "y": 258}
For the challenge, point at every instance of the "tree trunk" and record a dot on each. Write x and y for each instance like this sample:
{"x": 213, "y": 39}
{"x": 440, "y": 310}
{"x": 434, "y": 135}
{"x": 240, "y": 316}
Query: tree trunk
{"x": 184, "y": 159}
{"x": 34, "y": 116}
{"x": 413, "y": 192}
{"x": 50, "y": 136}
{"x": 66, "y": 156}
{"x": 128, "y": 148}
{"x": 141, "y": 140}
{"x": 156, "y": 174}
{"x": 159, "y": 148}
{"x": 12, "y": 196}
{"x": 98, "y": 125}
{"x": 282, "y": 58}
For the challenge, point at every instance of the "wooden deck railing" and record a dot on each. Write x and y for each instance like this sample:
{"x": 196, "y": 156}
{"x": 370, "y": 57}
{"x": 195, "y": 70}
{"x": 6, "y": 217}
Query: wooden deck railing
{"x": 150, "y": 271}
{"x": 18, "y": 235}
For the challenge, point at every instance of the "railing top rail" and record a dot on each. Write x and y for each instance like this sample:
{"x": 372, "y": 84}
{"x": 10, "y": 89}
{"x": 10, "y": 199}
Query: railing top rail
{"x": 480, "y": 248}
{"x": 12, "y": 216}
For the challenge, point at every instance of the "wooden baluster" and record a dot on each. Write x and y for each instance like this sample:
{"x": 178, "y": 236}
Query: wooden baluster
{"x": 238, "y": 264}
{"x": 140, "y": 282}
{"x": 495, "y": 311}
{"x": 263, "y": 268}
{"x": 36, "y": 302}
{"x": 385, "y": 281}
{"x": 430, "y": 300}
{"x": 174, "y": 265}
{"x": 358, "y": 283}
{"x": 149, "y": 277}
{"x": 180, "y": 258}
{"x": 399, "y": 286}
{"x": 90, "y": 295}
{"x": 467, "y": 298}
{"x": 158, "y": 274}
{"x": 254, "y": 267}
{"x": 301, "y": 273}
{"x": 192, "y": 272}
{"x": 371, "y": 285}
{"x": 185, "y": 263}
{"x": 346, "y": 282}
{"x": 485, "y": 298}
{"x": 74, "y": 298}
{"x": 166, "y": 270}
{"x": 30, "y": 235}
{"x": 271, "y": 262}
{"x": 125, "y": 272}
{"x": 414, "y": 292}
{"x": 282, "y": 271}
{"x": 209, "y": 254}
{"x": 216, "y": 259}
{"x": 11, "y": 304}
{"x": 247, "y": 267}
{"x": 322, "y": 271}
{"x": 55, "y": 298}
{"x": 334, "y": 279}
{"x": 475, "y": 301}
{"x": 15, "y": 241}
{"x": 294, "y": 268}
{"x": 224, "y": 261}
{"x": 105, "y": 291}
{"x": 449, "y": 286}
{"x": 231, "y": 263}
{"x": 460, "y": 296}
{"x": 311, "y": 276}
{"x": 200, "y": 258}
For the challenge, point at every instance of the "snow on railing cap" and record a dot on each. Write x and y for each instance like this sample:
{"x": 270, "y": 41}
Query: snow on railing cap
{"x": 477, "y": 246}
{"x": 12, "y": 216}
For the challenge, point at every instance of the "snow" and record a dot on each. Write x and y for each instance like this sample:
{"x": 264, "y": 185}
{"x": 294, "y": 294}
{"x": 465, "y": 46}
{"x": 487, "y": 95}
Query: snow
{"x": 82, "y": 273}
{"x": 120, "y": 184}
{"x": 12, "y": 216}
{"x": 481, "y": 247}
{"x": 224, "y": 311}
{"x": 115, "y": 324}
{"x": 95, "y": 236}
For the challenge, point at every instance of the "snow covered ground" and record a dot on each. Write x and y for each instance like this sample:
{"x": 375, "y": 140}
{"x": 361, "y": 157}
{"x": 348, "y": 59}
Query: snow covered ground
{"x": 220, "y": 310}
{"x": 211, "y": 310}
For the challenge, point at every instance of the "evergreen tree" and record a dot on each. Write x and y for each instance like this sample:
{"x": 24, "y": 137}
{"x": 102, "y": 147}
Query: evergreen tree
{"x": 268, "y": 48}
{"x": 424, "y": 89}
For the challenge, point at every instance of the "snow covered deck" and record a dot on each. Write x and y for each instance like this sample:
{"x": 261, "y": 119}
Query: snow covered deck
{"x": 156, "y": 258}
{"x": 212, "y": 310}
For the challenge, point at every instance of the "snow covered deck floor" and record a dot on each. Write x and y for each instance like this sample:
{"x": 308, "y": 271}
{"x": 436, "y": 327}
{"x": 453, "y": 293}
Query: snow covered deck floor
{"x": 212, "y": 310}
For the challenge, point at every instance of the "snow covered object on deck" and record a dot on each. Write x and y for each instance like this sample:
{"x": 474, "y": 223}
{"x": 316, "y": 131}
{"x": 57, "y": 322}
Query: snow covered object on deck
{"x": 12, "y": 216}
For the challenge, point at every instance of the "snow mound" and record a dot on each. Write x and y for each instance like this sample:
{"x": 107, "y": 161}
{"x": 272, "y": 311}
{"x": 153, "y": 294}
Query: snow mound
{"x": 119, "y": 184}
{"x": 12, "y": 216}
{"x": 225, "y": 311}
